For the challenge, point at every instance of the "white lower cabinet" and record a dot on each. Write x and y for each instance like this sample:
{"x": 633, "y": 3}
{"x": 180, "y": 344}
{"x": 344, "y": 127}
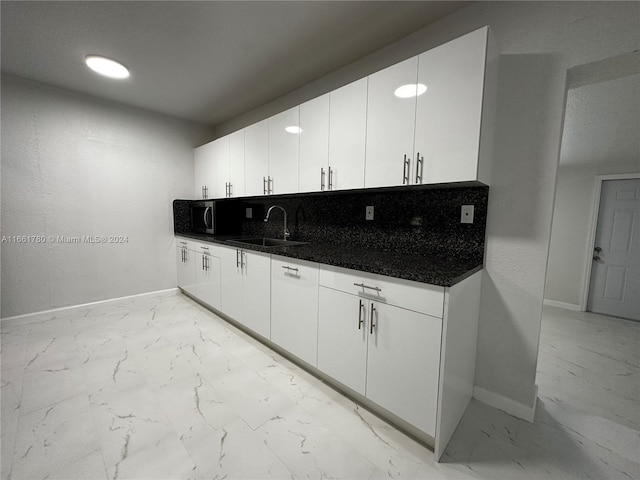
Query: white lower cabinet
{"x": 390, "y": 355}
{"x": 342, "y": 338}
{"x": 294, "y": 307}
{"x": 403, "y": 361}
{"x": 185, "y": 259}
{"x": 406, "y": 347}
{"x": 207, "y": 276}
{"x": 246, "y": 293}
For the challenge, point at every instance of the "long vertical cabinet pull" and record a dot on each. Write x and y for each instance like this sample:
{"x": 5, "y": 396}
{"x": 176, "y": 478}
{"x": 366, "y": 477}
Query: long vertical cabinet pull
{"x": 419, "y": 168}
{"x": 230, "y": 190}
{"x": 242, "y": 262}
{"x": 360, "y": 320}
{"x": 322, "y": 179}
{"x": 372, "y": 325}
{"x": 264, "y": 185}
{"x": 237, "y": 258}
{"x": 405, "y": 170}
{"x": 330, "y": 178}
{"x": 270, "y": 185}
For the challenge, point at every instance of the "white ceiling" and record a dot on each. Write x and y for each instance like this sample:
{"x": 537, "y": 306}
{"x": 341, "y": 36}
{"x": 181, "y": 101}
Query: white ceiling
{"x": 204, "y": 61}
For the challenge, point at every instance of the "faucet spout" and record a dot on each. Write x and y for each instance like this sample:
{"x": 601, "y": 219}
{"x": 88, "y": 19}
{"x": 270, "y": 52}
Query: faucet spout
{"x": 286, "y": 233}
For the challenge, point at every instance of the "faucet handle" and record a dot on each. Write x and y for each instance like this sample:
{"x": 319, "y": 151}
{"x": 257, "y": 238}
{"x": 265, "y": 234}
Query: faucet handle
{"x": 286, "y": 233}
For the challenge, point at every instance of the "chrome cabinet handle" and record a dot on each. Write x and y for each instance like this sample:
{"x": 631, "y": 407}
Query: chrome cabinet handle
{"x": 230, "y": 190}
{"x": 419, "y": 168}
{"x": 405, "y": 170}
{"x": 237, "y": 258}
{"x": 242, "y": 262}
{"x": 360, "y": 320}
{"x": 322, "y": 179}
{"x": 372, "y": 325}
{"x": 330, "y": 178}
{"x": 291, "y": 269}
{"x": 269, "y": 185}
{"x": 377, "y": 289}
{"x": 203, "y": 262}
{"x": 264, "y": 185}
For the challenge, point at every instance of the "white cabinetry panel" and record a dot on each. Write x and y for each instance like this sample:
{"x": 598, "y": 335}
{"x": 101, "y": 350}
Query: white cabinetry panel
{"x": 284, "y": 147}
{"x": 391, "y": 127}
{"x": 256, "y": 158}
{"x": 314, "y": 144}
{"x": 294, "y": 307}
{"x": 347, "y": 134}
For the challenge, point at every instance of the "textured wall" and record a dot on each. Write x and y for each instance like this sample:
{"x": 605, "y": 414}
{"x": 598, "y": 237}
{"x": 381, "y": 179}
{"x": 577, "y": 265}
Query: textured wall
{"x": 542, "y": 39}
{"x": 73, "y": 166}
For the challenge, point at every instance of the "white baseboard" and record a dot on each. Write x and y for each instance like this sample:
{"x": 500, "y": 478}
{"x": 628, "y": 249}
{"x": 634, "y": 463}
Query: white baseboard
{"x": 507, "y": 405}
{"x": 27, "y": 317}
{"x": 566, "y": 306}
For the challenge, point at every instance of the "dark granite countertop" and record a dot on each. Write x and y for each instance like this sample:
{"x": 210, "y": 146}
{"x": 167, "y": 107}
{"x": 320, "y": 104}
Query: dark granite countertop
{"x": 435, "y": 270}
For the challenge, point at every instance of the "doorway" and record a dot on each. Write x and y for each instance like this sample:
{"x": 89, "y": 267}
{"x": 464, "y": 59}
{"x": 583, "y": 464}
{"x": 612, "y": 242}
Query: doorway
{"x": 614, "y": 280}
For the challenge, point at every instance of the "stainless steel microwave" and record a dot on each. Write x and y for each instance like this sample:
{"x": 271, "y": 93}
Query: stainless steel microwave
{"x": 216, "y": 217}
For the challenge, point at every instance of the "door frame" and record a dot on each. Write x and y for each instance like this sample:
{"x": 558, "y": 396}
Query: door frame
{"x": 591, "y": 237}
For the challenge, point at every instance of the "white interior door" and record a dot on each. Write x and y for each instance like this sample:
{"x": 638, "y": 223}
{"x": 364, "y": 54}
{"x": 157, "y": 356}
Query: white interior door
{"x": 615, "y": 275}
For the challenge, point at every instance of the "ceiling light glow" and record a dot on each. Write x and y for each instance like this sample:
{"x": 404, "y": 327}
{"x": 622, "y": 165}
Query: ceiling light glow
{"x": 410, "y": 90}
{"x": 293, "y": 129}
{"x": 107, "y": 67}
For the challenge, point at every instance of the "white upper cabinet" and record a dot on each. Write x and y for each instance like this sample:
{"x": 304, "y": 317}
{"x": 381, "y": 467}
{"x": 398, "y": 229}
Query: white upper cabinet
{"x": 314, "y": 145}
{"x": 220, "y": 156}
{"x": 211, "y": 169}
{"x": 347, "y": 134}
{"x": 203, "y": 170}
{"x": 391, "y": 111}
{"x": 284, "y": 145}
{"x": 256, "y": 158}
{"x": 235, "y": 186}
{"x": 449, "y": 113}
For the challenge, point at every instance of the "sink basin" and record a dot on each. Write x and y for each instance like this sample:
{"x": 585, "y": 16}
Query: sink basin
{"x": 267, "y": 242}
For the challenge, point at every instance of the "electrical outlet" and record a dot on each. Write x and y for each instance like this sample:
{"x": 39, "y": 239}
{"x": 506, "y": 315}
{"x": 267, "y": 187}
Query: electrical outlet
{"x": 369, "y": 213}
{"x": 248, "y": 212}
{"x": 466, "y": 214}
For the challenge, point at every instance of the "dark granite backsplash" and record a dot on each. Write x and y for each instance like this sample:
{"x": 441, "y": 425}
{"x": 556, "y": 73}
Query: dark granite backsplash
{"x": 418, "y": 221}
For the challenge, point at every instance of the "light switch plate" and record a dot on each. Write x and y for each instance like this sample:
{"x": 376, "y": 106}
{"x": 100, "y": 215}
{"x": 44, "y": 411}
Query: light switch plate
{"x": 369, "y": 213}
{"x": 466, "y": 214}
{"x": 248, "y": 212}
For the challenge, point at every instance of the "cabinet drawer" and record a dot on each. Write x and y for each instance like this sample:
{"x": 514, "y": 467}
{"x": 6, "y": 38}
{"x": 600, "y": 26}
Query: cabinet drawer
{"x": 204, "y": 247}
{"x": 419, "y": 297}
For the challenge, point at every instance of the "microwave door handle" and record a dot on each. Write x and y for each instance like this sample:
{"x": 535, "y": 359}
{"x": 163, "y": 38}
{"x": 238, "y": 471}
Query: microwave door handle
{"x": 206, "y": 223}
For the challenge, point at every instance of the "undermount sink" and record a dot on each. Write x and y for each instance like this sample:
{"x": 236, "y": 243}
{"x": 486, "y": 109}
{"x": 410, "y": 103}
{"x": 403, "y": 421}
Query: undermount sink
{"x": 267, "y": 242}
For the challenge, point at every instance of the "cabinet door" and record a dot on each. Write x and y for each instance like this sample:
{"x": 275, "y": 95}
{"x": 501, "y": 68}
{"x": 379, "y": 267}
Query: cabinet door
{"x": 256, "y": 292}
{"x": 208, "y": 279}
{"x": 284, "y": 144}
{"x": 220, "y": 154}
{"x": 204, "y": 170}
{"x": 342, "y": 337}
{"x": 390, "y": 125}
{"x": 256, "y": 157}
{"x": 347, "y": 133}
{"x": 403, "y": 364}
{"x": 231, "y": 282}
{"x": 236, "y": 164}
{"x": 314, "y": 145}
{"x": 448, "y": 115}
{"x": 294, "y": 307}
{"x": 186, "y": 269}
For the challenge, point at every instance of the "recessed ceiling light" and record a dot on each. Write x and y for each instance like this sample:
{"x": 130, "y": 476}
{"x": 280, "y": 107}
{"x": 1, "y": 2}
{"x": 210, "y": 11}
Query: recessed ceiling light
{"x": 410, "y": 90}
{"x": 293, "y": 129}
{"x": 107, "y": 67}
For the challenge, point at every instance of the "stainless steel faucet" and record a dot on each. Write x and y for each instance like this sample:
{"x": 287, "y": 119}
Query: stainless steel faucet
{"x": 286, "y": 230}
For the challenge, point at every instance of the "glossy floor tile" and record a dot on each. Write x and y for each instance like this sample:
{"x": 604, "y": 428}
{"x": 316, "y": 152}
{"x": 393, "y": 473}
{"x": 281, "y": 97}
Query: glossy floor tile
{"x": 160, "y": 388}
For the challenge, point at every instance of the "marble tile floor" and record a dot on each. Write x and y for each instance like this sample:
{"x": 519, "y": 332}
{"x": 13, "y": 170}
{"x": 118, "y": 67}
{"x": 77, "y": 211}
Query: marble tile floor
{"x": 158, "y": 387}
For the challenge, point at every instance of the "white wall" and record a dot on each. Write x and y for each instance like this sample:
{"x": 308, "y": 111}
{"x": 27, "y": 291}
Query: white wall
{"x": 539, "y": 42}
{"x": 600, "y": 137}
{"x": 75, "y": 165}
